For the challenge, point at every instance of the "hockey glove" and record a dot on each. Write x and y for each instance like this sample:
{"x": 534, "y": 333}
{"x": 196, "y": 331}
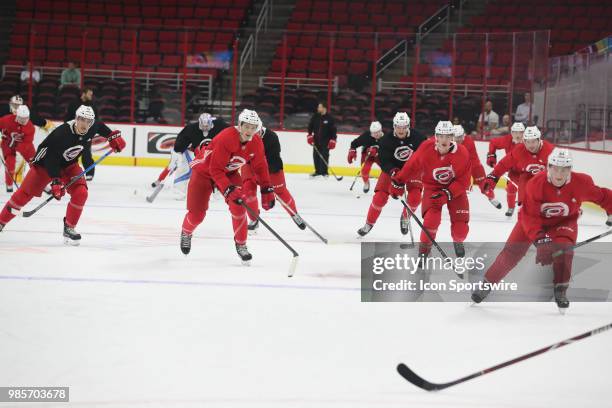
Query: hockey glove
{"x": 489, "y": 183}
{"x": 352, "y": 155}
{"x": 57, "y": 189}
{"x": 372, "y": 152}
{"x": 331, "y": 145}
{"x": 267, "y": 197}
{"x": 115, "y": 141}
{"x": 441, "y": 197}
{"x": 310, "y": 139}
{"x": 233, "y": 194}
{"x": 545, "y": 249}
{"x": 491, "y": 159}
{"x": 396, "y": 188}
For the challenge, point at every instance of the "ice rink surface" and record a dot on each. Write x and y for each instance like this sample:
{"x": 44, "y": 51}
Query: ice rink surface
{"x": 126, "y": 320}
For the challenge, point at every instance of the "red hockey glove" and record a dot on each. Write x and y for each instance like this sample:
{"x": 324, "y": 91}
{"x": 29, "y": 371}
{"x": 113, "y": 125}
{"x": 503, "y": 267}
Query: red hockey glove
{"x": 57, "y": 189}
{"x": 352, "y": 155}
{"x": 115, "y": 141}
{"x": 441, "y": 197}
{"x": 233, "y": 194}
{"x": 331, "y": 145}
{"x": 267, "y": 197}
{"x": 545, "y": 249}
{"x": 396, "y": 188}
{"x": 489, "y": 183}
{"x": 310, "y": 139}
{"x": 491, "y": 159}
{"x": 372, "y": 152}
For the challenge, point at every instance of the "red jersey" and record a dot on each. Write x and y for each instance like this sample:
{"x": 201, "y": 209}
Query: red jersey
{"x": 523, "y": 162}
{"x": 450, "y": 171}
{"x": 502, "y": 142}
{"x": 546, "y": 205}
{"x": 13, "y": 133}
{"x": 226, "y": 154}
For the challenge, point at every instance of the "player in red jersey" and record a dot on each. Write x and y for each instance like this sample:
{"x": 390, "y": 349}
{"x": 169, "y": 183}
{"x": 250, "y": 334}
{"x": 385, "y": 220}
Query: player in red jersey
{"x": 17, "y": 132}
{"x": 445, "y": 170}
{"x": 478, "y": 172}
{"x": 507, "y": 143}
{"x": 527, "y": 159}
{"x": 368, "y": 141}
{"x": 548, "y": 220}
{"x": 217, "y": 166}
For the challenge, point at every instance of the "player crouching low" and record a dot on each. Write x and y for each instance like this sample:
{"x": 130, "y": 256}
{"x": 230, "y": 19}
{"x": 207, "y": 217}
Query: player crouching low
{"x": 218, "y": 165}
{"x": 56, "y": 162}
{"x": 445, "y": 170}
{"x": 548, "y": 220}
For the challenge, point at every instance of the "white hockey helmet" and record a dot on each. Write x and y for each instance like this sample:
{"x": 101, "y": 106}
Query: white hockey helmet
{"x": 560, "y": 157}
{"x": 15, "y": 102}
{"x": 205, "y": 122}
{"x": 531, "y": 133}
{"x": 375, "y": 127}
{"x": 445, "y": 127}
{"x": 458, "y": 131}
{"x": 401, "y": 119}
{"x": 22, "y": 115}
{"x": 517, "y": 127}
{"x": 87, "y": 113}
{"x": 249, "y": 116}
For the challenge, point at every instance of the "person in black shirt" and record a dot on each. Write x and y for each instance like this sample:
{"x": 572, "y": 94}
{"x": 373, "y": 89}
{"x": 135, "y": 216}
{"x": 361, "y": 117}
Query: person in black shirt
{"x": 56, "y": 161}
{"x": 368, "y": 141}
{"x": 98, "y": 127}
{"x": 272, "y": 150}
{"x": 395, "y": 148}
{"x": 322, "y": 136}
{"x": 194, "y": 136}
{"x": 15, "y": 102}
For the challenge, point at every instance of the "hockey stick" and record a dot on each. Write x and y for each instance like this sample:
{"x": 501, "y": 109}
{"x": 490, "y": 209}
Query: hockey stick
{"x": 579, "y": 244}
{"x": 159, "y": 187}
{"x": 417, "y": 380}
{"x": 360, "y": 170}
{"x": 326, "y": 163}
{"x": 9, "y": 173}
{"x": 27, "y": 214}
{"x": 286, "y": 206}
{"x": 294, "y": 261}
{"x": 433, "y": 241}
{"x": 411, "y": 245}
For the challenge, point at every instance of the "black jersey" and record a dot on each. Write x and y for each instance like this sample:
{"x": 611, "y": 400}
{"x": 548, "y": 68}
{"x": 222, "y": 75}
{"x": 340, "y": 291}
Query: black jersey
{"x": 61, "y": 148}
{"x": 36, "y": 119}
{"x": 191, "y": 136}
{"x": 98, "y": 127}
{"x": 394, "y": 152}
{"x": 272, "y": 149}
{"x": 364, "y": 141}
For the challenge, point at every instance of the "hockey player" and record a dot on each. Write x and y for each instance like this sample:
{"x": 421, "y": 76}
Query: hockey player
{"x": 395, "y": 148}
{"x": 56, "y": 162}
{"x": 507, "y": 143}
{"x": 193, "y": 136}
{"x": 272, "y": 150}
{"x": 478, "y": 173}
{"x": 548, "y": 220}
{"x": 445, "y": 170}
{"x": 217, "y": 166}
{"x": 17, "y": 134}
{"x": 368, "y": 141}
{"x": 36, "y": 120}
{"x": 527, "y": 159}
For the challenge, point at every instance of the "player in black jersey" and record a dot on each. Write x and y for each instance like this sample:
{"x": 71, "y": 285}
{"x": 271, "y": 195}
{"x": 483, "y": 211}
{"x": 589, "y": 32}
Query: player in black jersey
{"x": 368, "y": 141}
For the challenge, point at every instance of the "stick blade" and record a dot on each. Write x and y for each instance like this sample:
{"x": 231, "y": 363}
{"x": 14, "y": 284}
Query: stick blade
{"x": 293, "y": 266}
{"x": 415, "y": 379}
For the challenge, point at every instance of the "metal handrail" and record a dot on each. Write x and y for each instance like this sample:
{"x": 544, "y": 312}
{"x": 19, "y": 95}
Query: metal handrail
{"x": 422, "y": 33}
{"x": 299, "y": 82}
{"x": 440, "y": 87}
{"x": 261, "y": 24}
{"x": 245, "y": 56}
{"x": 401, "y": 48}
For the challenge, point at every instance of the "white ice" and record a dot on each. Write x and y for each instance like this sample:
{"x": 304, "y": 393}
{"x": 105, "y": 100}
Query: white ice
{"x": 126, "y": 320}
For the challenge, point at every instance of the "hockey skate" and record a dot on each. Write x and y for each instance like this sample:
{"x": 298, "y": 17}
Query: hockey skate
{"x": 495, "y": 202}
{"x": 185, "y": 242}
{"x": 244, "y": 254}
{"x": 404, "y": 222}
{"x": 155, "y": 184}
{"x": 510, "y": 212}
{"x": 70, "y": 235}
{"x": 9, "y": 189}
{"x": 299, "y": 221}
{"x": 366, "y": 186}
{"x": 253, "y": 226}
{"x": 560, "y": 292}
{"x": 89, "y": 177}
{"x": 481, "y": 293}
{"x": 363, "y": 231}
{"x": 459, "y": 249}
{"x": 1, "y": 227}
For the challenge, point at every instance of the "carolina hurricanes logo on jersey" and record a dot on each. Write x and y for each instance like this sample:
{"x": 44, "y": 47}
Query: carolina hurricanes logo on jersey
{"x": 550, "y": 210}
{"x": 235, "y": 163}
{"x": 443, "y": 175}
{"x": 534, "y": 168}
{"x": 403, "y": 153}
{"x": 72, "y": 152}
